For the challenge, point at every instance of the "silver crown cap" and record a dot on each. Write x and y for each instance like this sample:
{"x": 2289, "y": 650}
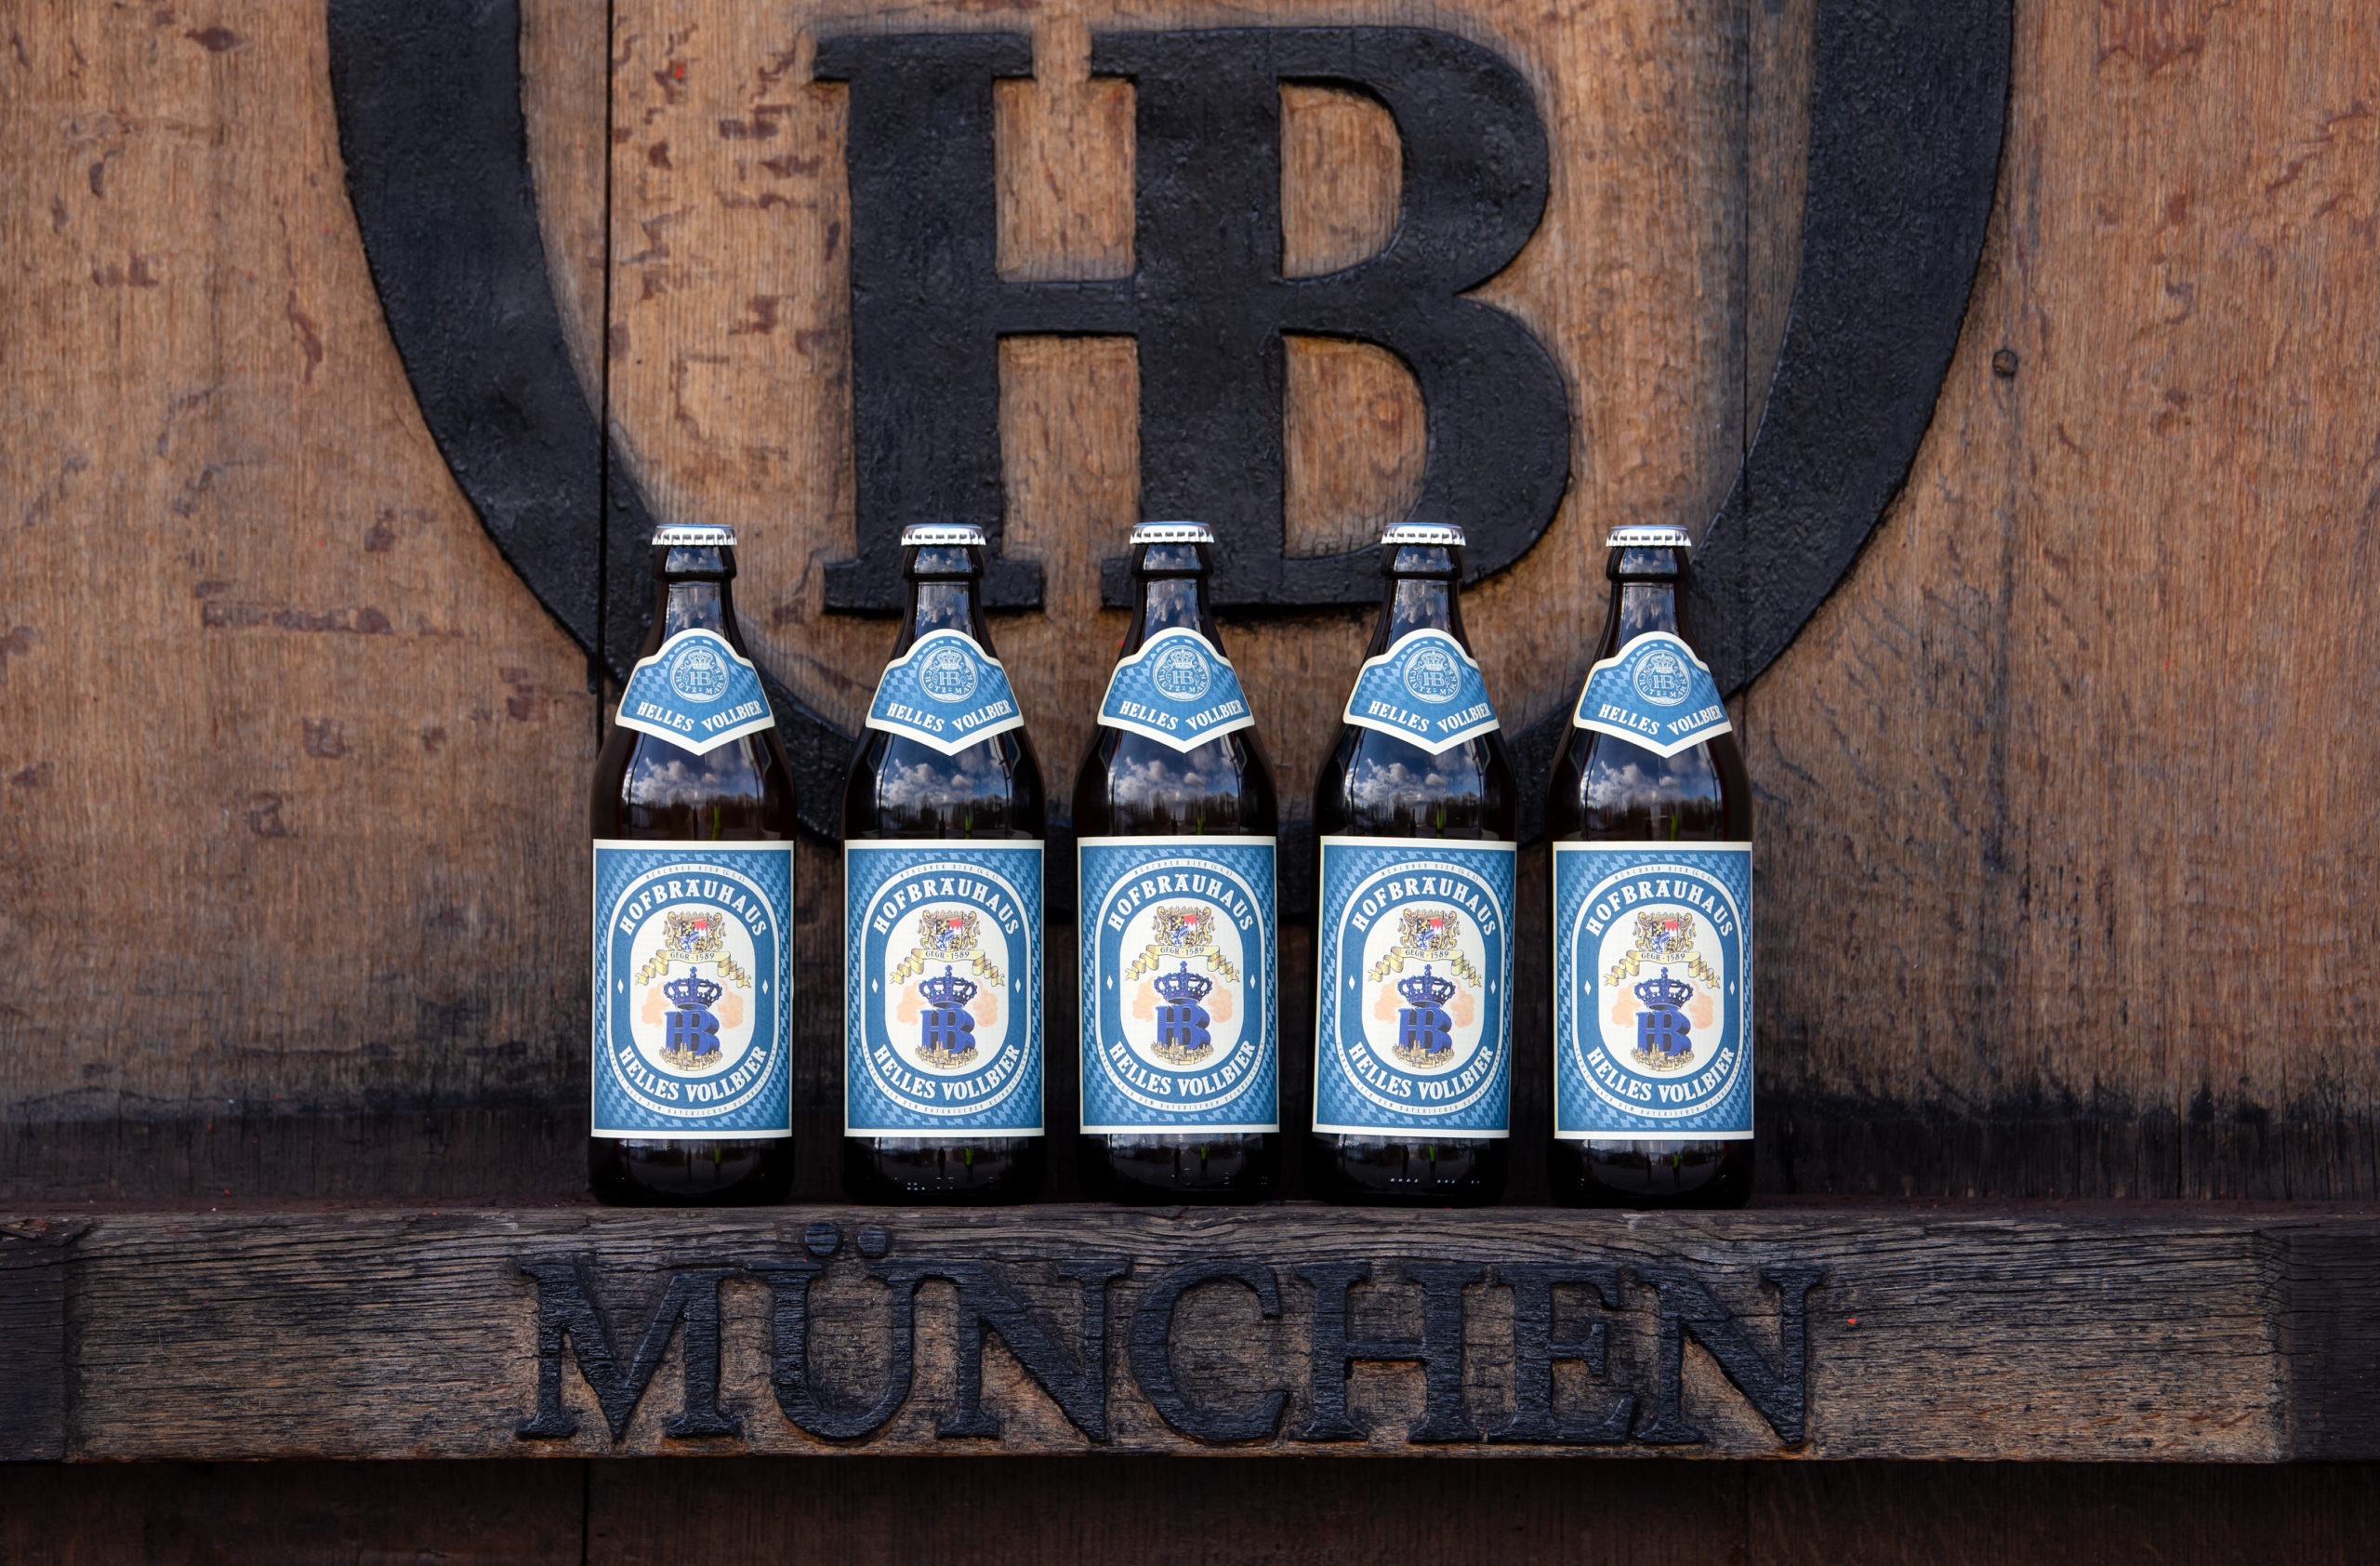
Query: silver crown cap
{"x": 1438, "y": 535}
{"x": 694, "y": 535}
{"x": 947, "y": 535}
{"x": 1172, "y": 532}
{"x": 1648, "y": 538}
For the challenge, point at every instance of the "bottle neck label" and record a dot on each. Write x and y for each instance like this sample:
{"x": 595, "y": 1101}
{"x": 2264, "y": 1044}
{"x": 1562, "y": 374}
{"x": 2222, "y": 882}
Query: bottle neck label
{"x": 1413, "y": 983}
{"x": 1655, "y": 693}
{"x": 942, "y": 988}
{"x": 947, "y": 692}
{"x": 694, "y": 968}
{"x": 1426, "y": 690}
{"x": 1179, "y": 1018}
{"x": 1178, "y": 690}
{"x": 1652, "y": 992}
{"x": 697, "y": 692}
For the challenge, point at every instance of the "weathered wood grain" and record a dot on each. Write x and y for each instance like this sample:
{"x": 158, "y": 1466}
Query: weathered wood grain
{"x": 886, "y": 1510}
{"x": 200, "y": 1514}
{"x": 2011, "y": 1334}
{"x": 289, "y": 759}
{"x": 1801, "y": 1514}
{"x": 2061, "y": 869}
{"x": 33, "y": 1323}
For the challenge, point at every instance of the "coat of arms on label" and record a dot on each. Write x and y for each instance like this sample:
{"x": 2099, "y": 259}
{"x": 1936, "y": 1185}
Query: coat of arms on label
{"x": 1185, "y": 931}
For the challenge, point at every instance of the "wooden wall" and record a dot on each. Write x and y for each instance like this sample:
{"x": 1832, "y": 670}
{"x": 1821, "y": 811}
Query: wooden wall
{"x": 1162, "y": 1513}
{"x": 2063, "y": 820}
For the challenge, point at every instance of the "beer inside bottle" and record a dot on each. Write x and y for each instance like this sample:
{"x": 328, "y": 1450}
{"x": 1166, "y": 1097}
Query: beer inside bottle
{"x": 942, "y": 827}
{"x": 1175, "y": 818}
{"x": 1649, "y": 814}
{"x": 693, "y": 815}
{"x": 1416, "y": 816}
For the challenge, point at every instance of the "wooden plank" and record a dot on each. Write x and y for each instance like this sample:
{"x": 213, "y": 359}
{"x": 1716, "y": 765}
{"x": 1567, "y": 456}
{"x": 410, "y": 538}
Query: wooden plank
{"x": 1831, "y": 1332}
{"x": 887, "y": 1510}
{"x": 2033, "y": 761}
{"x": 471, "y": 1514}
{"x": 288, "y": 757}
{"x": 33, "y": 1323}
{"x": 1882, "y": 1514}
{"x": 883, "y": 1512}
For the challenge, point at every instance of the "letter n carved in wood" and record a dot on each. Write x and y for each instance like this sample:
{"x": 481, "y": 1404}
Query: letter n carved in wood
{"x": 1780, "y": 1392}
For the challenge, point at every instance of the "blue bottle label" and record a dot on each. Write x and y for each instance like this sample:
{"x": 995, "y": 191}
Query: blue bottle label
{"x": 1652, "y": 991}
{"x": 1425, "y": 690}
{"x": 942, "y": 988}
{"x": 1178, "y": 1020}
{"x": 1177, "y": 689}
{"x": 1413, "y": 988}
{"x": 1655, "y": 693}
{"x": 947, "y": 692}
{"x": 694, "y": 970}
{"x": 697, "y": 691}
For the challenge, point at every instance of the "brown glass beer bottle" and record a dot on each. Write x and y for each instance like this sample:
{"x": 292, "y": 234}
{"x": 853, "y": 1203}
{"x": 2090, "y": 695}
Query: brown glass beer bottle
{"x": 1175, "y": 855}
{"x": 694, "y": 825}
{"x": 1649, "y": 814}
{"x": 1416, "y": 815}
{"x": 943, "y": 823}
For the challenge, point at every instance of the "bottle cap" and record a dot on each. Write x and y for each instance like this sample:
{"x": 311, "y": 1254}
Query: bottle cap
{"x": 1434, "y": 534}
{"x": 1172, "y": 532}
{"x": 1648, "y": 538}
{"x": 694, "y": 535}
{"x": 943, "y": 534}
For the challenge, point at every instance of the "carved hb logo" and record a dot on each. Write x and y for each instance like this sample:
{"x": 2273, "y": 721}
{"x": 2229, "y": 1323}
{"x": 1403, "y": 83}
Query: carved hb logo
{"x": 1206, "y": 300}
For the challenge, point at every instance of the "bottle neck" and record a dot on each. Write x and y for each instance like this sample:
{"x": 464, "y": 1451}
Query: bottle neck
{"x": 695, "y": 591}
{"x": 943, "y": 595}
{"x": 1424, "y": 593}
{"x": 1171, "y": 580}
{"x": 1646, "y": 595}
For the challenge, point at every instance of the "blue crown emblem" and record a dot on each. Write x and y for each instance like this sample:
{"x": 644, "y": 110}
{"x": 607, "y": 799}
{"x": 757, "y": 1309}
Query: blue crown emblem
{"x": 1426, "y": 989}
{"x": 947, "y": 990}
{"x": 1665, "y": 993}
{"x": 693, "y": 990}
{"x": 1185, "y": 988}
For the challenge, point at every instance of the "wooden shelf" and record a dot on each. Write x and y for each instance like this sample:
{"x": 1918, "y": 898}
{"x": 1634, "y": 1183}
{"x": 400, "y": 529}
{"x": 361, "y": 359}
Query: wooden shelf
{"x": 1844, "y": 1331}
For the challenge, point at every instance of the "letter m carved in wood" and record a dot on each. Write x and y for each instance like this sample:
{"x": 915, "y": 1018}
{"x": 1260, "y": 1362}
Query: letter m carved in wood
{"x": 568, "y": 1308}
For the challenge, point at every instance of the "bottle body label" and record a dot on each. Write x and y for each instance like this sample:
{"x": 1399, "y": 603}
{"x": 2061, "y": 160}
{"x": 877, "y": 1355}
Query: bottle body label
{"x": 942, "y": 988}
{"x": 1655, "y": 692}
{"x": 1426, "y": 690}
{"x": 1179, "y": 1021}
{"x": 1413, "y": 979}
{"x": 1652, "y": 992}
{"x": 1179, "y": 689}
{"x": 694, "y": 972}
{"x": 947, "y": 692}
{"x": 697, "y": 692}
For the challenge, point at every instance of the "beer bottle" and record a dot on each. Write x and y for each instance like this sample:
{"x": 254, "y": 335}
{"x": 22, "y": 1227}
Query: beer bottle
{"x": 1649, "y": 813}
{"x": 693, "y": 824}
{"x": 1417, "y": 815}
{"x": 943, "y": 823}
{"x": 1176, "y": 817}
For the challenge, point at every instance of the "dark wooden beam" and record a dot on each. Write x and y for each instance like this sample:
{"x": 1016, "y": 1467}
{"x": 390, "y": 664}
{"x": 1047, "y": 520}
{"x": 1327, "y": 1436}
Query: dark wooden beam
{"x": 1851, "y": 1331}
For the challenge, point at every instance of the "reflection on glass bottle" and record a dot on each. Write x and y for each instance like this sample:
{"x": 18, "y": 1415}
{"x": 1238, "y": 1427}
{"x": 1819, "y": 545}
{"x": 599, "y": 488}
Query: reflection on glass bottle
{"x": 1175, "y": 815}
{"x": 692, "y": 816}
{"x": 1417, "y": 815}
{"x": 942, "y": 827}
{"x": 1649, "y": 812}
